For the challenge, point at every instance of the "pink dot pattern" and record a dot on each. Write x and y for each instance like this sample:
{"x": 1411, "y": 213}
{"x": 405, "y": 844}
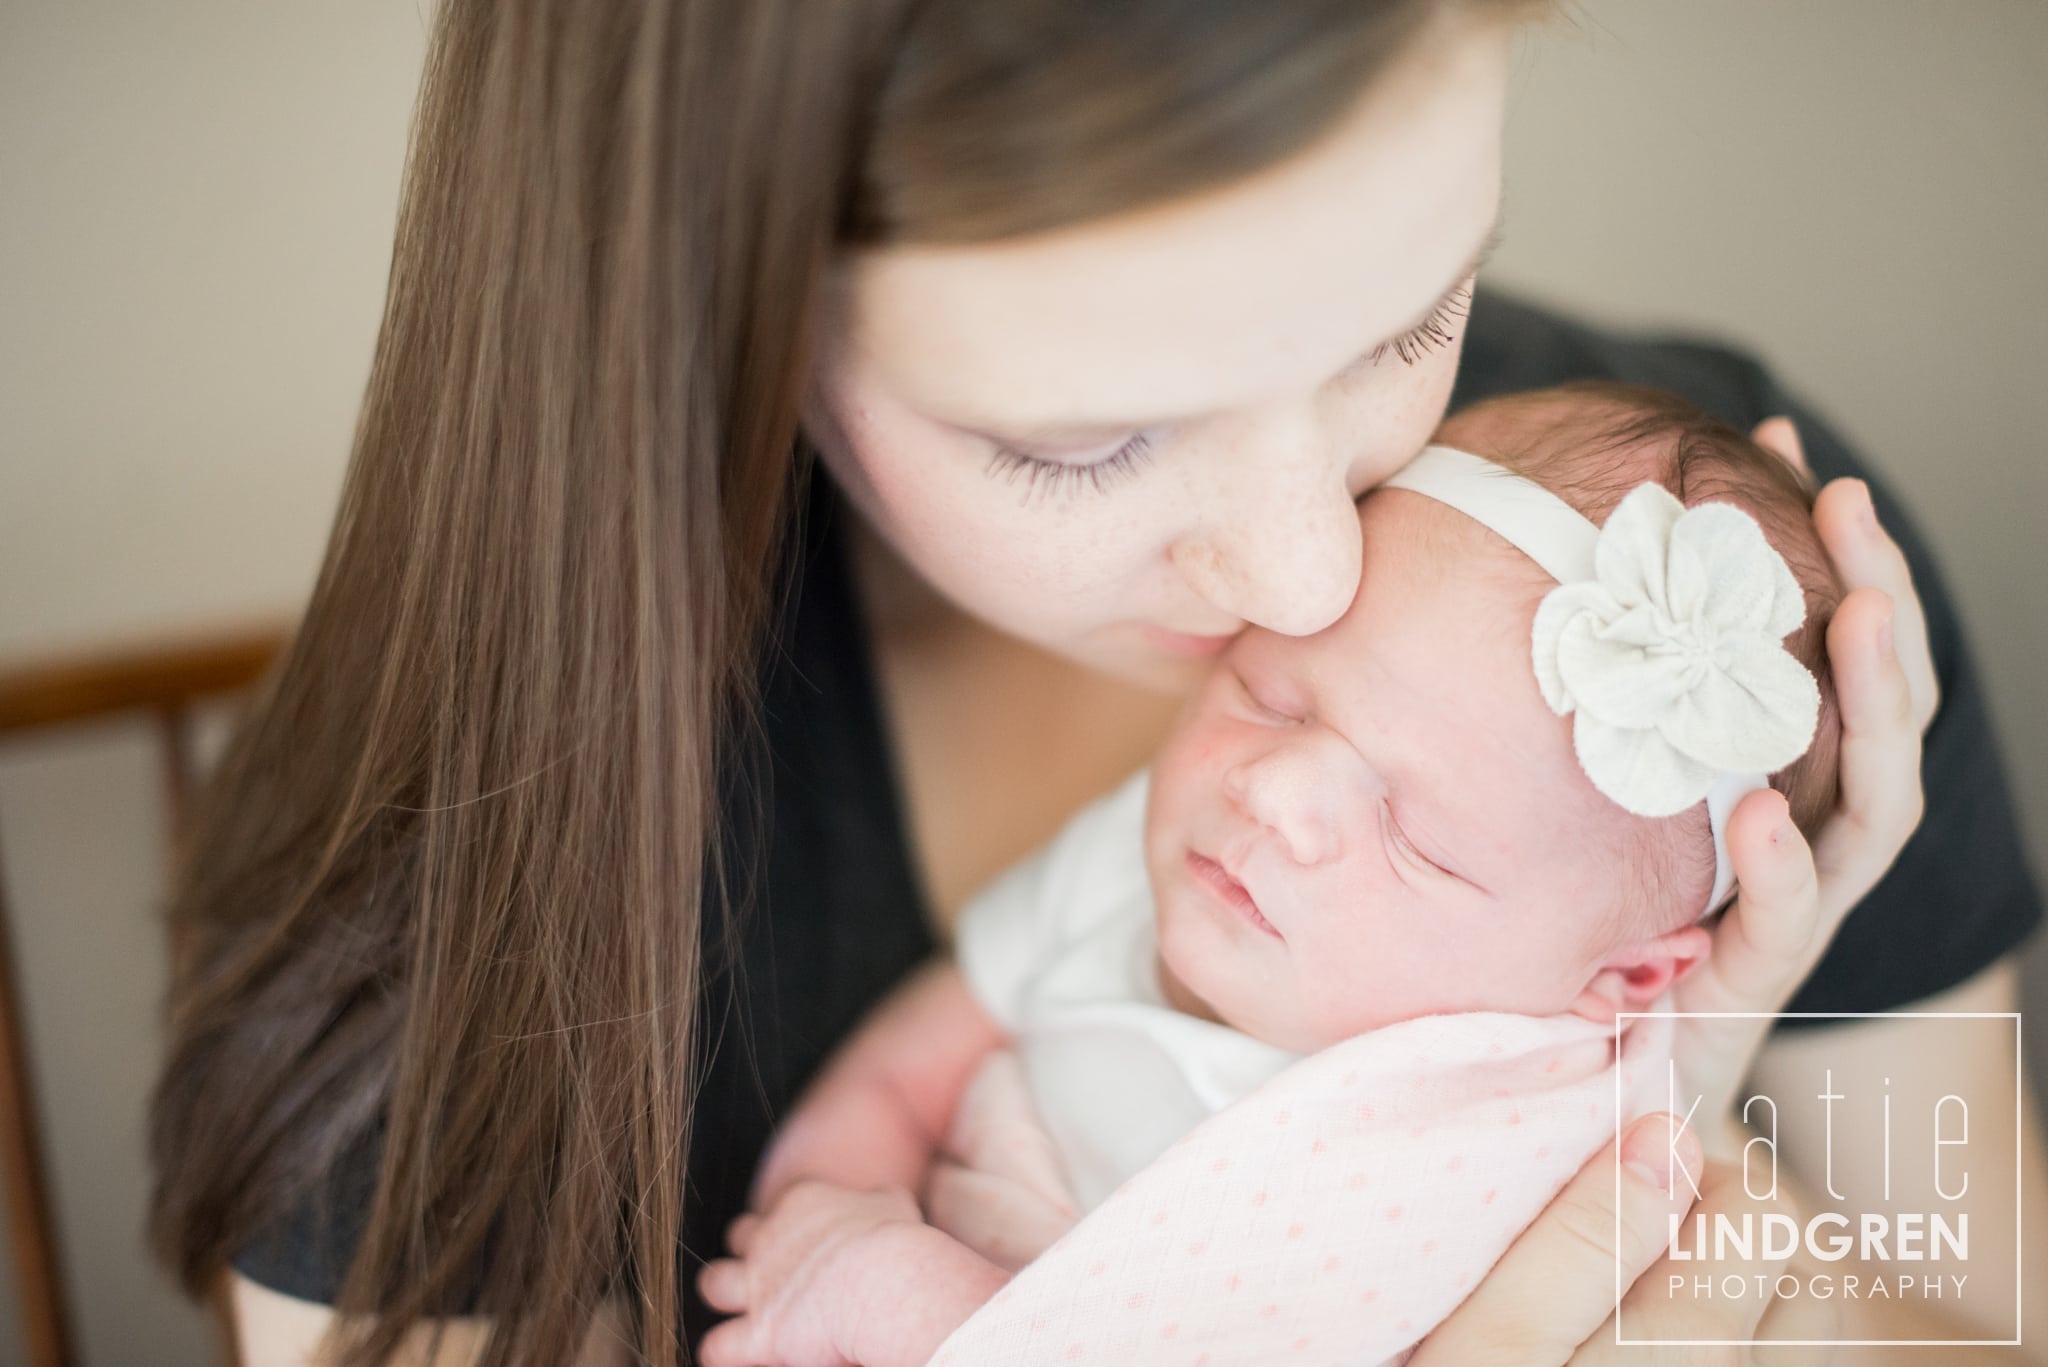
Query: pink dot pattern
{"x": 1350, "y": 1204}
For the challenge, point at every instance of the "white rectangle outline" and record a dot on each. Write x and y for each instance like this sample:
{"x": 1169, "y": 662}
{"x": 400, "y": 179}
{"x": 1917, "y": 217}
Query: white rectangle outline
{"x": 2019, "y": 1233}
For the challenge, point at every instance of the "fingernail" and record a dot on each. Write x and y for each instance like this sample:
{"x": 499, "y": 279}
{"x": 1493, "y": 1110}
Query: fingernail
{"x": 1887, "y": 649}
{"x": 1781, "y": 828}
{"x": 1869, "y": 515}
{"x": 1654, "y": 1153}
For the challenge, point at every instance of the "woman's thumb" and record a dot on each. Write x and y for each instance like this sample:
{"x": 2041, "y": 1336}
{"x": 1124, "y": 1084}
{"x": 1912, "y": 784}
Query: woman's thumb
{"x": 1555, "y": 1286}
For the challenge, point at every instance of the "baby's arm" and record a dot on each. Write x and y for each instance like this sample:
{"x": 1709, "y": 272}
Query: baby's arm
{"x": 878, "y": 1111}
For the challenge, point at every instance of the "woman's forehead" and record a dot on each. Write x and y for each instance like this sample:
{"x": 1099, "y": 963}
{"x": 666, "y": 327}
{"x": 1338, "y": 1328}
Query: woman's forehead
{"x": 1264, "y": 286}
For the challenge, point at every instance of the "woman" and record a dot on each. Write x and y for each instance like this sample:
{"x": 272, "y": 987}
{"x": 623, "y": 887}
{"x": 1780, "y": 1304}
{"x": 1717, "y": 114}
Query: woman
{"x": 599, "y": 794}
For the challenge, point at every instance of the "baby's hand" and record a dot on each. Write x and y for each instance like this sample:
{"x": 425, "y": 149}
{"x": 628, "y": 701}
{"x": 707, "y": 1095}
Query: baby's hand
{"x": 797, "y": 1279}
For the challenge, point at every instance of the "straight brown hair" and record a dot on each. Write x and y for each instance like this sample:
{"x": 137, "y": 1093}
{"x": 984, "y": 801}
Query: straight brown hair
{"x": 456, "y": 875}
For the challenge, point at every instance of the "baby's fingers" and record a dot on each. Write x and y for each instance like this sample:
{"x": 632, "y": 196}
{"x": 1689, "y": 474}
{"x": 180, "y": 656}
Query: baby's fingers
{"x": 723, "y": 1285}
{"x": 736, "y": 1343}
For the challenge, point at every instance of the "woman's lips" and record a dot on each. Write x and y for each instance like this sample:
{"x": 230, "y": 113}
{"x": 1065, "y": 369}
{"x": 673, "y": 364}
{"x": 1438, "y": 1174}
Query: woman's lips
{"x": 1231, "y": 892}
{"x": 1181, "y": 643}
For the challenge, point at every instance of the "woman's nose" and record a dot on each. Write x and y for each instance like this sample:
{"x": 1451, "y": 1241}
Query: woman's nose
{"x": 1286, "y": 792}
{"x": 1279, "y": 545}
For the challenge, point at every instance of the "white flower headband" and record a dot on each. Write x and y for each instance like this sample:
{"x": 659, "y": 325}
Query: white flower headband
{"x": 1665, "y": 634}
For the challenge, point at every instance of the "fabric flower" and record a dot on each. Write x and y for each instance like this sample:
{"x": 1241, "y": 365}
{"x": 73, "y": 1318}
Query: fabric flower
{"x": 1672, "y": 654}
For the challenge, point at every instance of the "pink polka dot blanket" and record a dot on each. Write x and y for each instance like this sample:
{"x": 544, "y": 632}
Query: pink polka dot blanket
{"x": 1334, "y": 1216}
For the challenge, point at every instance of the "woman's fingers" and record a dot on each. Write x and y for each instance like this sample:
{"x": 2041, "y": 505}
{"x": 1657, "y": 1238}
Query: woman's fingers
{"x": 1880, "y": 800}
{"x": 1555, "y": 1286}
{"x": 1762, "y": 947}
{"x": 1780, "y": 436}
{"x": 1682, "y": 1300}
{"x": 1866, "y": 558}
{"x": 1667, "y": 1303}
{"x": 739, "y": 1235}
{"x": 1767, "y": 939}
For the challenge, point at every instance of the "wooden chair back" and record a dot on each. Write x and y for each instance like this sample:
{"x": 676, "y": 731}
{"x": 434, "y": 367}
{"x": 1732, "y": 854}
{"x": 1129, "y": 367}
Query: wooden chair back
{"x": 165, "y": 682}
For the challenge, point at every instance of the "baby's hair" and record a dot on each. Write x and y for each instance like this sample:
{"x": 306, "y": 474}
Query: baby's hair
{"x": 1592, "y": 441}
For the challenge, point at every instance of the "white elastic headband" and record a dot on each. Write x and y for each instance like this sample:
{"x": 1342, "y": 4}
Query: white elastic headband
{"x": 1657, "y": 614}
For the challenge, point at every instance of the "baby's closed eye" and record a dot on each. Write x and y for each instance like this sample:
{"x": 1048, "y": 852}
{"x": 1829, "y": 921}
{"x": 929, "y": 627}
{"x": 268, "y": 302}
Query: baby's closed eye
{"x": 1270, "y": 707}
{"x": 1399, "y": 844}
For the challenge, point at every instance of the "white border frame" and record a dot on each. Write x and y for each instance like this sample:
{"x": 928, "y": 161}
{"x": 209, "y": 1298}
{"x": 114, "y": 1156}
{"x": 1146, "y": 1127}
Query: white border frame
{"x": 2019, "y": 1141}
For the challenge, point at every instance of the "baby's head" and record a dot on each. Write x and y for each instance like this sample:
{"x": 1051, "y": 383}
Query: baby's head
{"x": 1386, "y": 820}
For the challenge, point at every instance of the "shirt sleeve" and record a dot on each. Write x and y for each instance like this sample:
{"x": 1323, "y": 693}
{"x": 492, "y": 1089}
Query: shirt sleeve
{"x": 305, "y": 1252}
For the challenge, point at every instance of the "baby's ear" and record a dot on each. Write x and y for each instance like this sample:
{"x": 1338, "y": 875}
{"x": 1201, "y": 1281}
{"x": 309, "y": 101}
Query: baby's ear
{"x": 1634, "y": 975}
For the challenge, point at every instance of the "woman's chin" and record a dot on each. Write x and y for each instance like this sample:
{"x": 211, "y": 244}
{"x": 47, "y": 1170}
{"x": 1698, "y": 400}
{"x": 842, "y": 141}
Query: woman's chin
{"x": 1156, "y": 671}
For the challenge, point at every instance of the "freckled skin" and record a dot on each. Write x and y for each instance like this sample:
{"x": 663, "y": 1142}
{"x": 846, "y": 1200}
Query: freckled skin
{"x": 1233, "y": 330}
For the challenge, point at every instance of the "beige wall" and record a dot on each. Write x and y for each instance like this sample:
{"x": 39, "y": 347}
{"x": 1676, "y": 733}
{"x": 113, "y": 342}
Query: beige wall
{"x": 1858, "y": 189}
{"x": 195, "y": 209}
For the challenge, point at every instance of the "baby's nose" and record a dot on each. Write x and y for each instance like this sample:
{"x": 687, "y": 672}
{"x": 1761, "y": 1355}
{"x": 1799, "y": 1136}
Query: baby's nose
{"x": 1281, "y": 791}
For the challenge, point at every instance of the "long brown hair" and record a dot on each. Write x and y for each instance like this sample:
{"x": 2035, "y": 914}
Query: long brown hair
{"x": 453, "y": 874}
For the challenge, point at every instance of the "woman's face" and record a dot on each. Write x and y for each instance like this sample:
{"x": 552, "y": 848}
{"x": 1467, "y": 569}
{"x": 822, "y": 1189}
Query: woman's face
{"x": 1125, "y": 440}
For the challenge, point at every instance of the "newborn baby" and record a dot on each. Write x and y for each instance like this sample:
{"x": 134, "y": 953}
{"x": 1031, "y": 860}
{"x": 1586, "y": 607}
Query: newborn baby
{"x": 1476, "y": 792}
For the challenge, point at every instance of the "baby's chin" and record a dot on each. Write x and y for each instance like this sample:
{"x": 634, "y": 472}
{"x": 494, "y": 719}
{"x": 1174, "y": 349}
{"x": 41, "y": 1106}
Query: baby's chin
{"x": 1185, "y": 999}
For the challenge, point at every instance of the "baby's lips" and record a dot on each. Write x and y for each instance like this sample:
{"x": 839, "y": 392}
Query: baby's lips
{"x": 1222, "y": 869}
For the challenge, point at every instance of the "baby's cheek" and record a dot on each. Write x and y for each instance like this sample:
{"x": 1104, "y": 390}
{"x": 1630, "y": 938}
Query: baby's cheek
{"x": 1337, "y": 996}
{"x": 1191, "y": 761}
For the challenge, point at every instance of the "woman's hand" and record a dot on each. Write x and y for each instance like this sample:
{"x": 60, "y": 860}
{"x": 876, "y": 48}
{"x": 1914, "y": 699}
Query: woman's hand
{"x": 1793, "y": 898}
{"x": 1554, "y": 1289}
{"x": 1552, "y": 1298}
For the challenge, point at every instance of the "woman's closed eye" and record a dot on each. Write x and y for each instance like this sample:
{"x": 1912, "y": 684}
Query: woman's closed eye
{"x": 1050, "y": 477}
{"x": 1434, "y": 332}
{"x": 1041, "y": 475}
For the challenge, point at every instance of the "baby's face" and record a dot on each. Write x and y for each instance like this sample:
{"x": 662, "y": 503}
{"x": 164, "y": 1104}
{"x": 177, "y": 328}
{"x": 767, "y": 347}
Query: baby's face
{"x": 1384, "y": 820}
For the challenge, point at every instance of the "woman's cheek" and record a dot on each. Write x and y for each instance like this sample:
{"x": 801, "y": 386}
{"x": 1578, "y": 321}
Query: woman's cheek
{"x": 1024, "y": 563}
{"x": 1391, "y": 419}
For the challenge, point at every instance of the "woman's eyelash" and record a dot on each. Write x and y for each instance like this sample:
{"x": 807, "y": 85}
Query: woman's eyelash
{"x": 1434, "y": 332}
{"x": 1054, "y": 477}
{"x": 1051, "y": 477}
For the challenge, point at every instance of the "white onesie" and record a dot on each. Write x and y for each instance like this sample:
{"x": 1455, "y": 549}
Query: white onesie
{"x": 1063, "y": 952}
